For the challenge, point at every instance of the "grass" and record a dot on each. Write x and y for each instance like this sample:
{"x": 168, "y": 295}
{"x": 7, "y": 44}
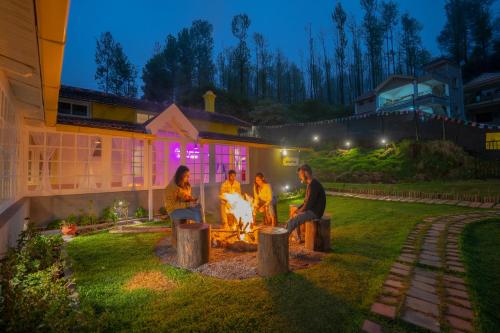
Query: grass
{"x": 334, "y": 296}
{"x": 490, "y": 187}
{"x": 481, "y": 246}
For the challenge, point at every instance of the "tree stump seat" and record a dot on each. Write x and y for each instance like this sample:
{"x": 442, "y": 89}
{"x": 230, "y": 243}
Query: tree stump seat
{"x": 193, "y": 245}
{"x": 175, "y": 226}
{"x": 272, "y": 251}
{"x": 317, "y": 234}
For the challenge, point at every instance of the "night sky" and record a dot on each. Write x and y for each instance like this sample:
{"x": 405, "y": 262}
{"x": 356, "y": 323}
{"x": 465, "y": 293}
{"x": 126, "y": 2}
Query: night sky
{"x": 137, "y": 25}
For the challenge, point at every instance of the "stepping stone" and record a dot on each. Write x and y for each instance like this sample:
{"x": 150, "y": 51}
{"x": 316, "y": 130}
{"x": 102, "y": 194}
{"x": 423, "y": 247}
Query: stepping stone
{"x": 388, "y": 299}
{"x": 401, "y": 272}
{"x": 461, "y": 312}
{"x": 457, "y": 269}
{"x": 391, "y": 290}
{"x": 459, "y": 324}
{"x": 428, "y": 257}
{"x": 457, "y": 293}
{"x": 423, "y": 286}
{"x": 455, "y": 285}
{"x": 459, "y": 301}
{"x": 394, "y": 284}
{"x": 401, "y": 266}
{"x": 421, "y": 320}
{"x": 385, "y": 310}
{"x": 486, "y": 205}
{"x": 371, "y": 327}
{"x": 436, "y": 264}
{"x": 426, "y": 273}
{"x": 425, "y": 279}
{"x": 406, "y": 259}
{"x": 423, "y": 295}
{"x": 455, "y": 279}
{"x": 422, "y": 306}
{"x": 454, "y": 263}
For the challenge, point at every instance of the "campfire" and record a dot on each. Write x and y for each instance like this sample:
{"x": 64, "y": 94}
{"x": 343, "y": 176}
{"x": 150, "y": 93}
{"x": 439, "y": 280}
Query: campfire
{"x": 241, "y": 233}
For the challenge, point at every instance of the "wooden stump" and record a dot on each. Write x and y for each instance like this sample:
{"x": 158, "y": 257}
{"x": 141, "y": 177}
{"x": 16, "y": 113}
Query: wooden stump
{"x": 301, "y": 230}
{"x": 272, "y": 252}
{"x": 175, "y": 226}
{"x": 317, "y": 236}
{"x": 193, "y": 245}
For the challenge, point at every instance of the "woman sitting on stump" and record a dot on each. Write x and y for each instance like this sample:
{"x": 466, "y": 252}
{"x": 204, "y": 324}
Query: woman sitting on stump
{"x": 263, "y": 200}
{"x": 179, "y": 202}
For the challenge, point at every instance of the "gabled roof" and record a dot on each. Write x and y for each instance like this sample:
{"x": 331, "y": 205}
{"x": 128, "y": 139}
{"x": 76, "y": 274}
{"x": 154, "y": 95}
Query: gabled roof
{"x": 233, "y": 138}
{"x": 366, "y": 95}
{"x": 89, "y": 95}
{"x": 438, "y": 62}
{"x": 485, "y": 78}
{"x": 401, "y": 78}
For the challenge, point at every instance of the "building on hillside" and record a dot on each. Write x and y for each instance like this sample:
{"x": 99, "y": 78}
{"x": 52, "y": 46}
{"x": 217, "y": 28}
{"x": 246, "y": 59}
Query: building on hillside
{"x": 64, "y": 149}
{"x": 482, "y": 98}
{"x": 438, "y": 91}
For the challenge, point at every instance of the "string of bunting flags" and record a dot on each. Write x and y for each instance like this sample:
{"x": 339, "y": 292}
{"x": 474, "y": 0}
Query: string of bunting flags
{"x": 423, "y": 115}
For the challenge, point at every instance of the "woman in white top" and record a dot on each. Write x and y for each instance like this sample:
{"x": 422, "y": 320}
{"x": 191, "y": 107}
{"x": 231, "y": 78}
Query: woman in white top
{"x": 263, "y": 200}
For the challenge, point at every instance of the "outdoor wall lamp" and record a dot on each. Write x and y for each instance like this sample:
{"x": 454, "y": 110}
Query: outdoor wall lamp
{"x": 284, "y": 152}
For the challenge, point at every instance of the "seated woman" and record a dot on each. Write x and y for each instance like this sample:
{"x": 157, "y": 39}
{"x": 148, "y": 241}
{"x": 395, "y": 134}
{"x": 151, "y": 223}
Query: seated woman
{"x": 263, "y": 200}
{"x": 179, "y": 202}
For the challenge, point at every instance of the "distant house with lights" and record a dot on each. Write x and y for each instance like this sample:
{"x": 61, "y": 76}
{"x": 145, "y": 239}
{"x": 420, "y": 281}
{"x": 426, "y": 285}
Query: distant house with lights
{"x": 62, "y": 148}
{"x": 482, "y": 98}
{"x": 438, "y": 91}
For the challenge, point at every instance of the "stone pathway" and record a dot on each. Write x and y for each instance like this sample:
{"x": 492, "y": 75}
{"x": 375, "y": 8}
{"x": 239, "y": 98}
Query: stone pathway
{"x": 472, "y": 204}
{"x": 426, "y": 286}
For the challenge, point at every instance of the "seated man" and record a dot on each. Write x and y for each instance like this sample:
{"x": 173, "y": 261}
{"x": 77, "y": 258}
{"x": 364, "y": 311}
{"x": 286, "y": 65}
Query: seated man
{"x": 231, "y": 185}
{"x": 179, "y": 202}
{"x": 314, "y": 201}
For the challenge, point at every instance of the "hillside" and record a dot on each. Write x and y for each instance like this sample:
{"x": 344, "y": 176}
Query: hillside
{"x": 398, "y": 162}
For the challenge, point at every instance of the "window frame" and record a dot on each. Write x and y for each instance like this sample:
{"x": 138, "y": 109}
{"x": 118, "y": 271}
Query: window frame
{"x": 73, "y": 102}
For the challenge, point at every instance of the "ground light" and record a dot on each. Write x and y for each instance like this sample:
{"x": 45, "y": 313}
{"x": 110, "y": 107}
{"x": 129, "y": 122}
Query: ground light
{"x": 316, "y": 138}
{"x": 348, "y": 144}
{"x": 284, "y": 152}
{"x": 383, "y": 141}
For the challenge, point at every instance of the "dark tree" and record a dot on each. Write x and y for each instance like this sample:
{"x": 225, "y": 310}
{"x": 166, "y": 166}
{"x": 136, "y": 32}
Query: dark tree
{"x": 339, "y": 18}
{"x": 241, "y": 55}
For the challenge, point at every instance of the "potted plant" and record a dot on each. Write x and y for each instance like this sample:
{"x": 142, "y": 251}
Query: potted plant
{"x": 68, "y": 226}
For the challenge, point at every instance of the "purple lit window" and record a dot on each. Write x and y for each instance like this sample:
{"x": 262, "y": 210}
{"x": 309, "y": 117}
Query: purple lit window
{"x": 230, "y": 157}
{"x": 197, "y": 156}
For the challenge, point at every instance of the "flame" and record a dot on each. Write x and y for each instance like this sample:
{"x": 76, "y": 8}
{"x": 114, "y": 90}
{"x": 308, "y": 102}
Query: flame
{"x": 241, "y": 209}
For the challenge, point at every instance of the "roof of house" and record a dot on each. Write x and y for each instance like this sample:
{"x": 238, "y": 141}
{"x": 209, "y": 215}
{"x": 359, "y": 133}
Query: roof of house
{"x": 485, "y": 78}
{"x": 366, "y": 95}
{"x": 88, "y": 95}
{"x": 402, "y": 78}
{"x": 102, "y": 123}
{"x": 438, "y": 61}
{"x": 238, "y": 138}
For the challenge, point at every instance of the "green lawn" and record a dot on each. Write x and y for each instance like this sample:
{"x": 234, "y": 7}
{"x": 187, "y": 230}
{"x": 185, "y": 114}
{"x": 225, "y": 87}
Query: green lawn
{"x": 481, "y": 245}
{"x": 472, "y": 187}
{"x": 334, "y": 296}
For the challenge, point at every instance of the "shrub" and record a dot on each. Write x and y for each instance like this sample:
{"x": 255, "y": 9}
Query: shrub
{"x": 109, "y": 215}
{"x": 34, "y": 297}
{"x": 162, "y": 210}
{"x": 141, "y": 212}
{"x": 53, "y": 225}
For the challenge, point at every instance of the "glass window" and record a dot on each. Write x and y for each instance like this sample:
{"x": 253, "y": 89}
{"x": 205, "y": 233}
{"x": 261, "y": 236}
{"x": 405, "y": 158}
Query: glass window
{"x": 231, "y": 157}
{"x": 158, "y": 174}
{"x": 127, "y": 162}
{"x": 73, "y": 109}
{"x": 198, "y": 158}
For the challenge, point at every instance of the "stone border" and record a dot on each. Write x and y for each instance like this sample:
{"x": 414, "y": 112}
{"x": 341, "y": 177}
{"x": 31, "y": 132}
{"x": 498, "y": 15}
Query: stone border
{"x": 426, "y": 285}
{"x": 429, "y": 200}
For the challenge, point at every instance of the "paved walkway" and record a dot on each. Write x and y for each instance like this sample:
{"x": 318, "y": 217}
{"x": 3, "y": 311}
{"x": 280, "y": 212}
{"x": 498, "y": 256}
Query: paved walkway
{"x": 426, "y": 285}
{"x": 471, "y": 204}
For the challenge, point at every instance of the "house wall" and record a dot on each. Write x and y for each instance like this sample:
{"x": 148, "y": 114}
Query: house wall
{"x": 12, "y": 223}
{"x": 44, "y": 209}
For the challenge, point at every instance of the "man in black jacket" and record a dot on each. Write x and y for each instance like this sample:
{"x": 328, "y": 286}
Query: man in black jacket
{"x": 314, "y": 201}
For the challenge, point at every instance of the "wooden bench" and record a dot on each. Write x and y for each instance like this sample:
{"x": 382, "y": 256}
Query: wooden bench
{"x": 317, "y": 234}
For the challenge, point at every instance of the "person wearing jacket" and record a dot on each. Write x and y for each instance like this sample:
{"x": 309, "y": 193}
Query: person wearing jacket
{"x": 179, "y": 201}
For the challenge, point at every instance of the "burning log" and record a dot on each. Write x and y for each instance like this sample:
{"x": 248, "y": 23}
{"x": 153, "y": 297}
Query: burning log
{"x": 193, "y": 245}
{"x": 272, "y": 251}
{"x": 317, "y": 235}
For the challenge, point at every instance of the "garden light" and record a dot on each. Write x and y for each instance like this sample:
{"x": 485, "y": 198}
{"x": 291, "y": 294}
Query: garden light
{"x": 348, "y": 144}
{"x": 315, "y": 138}
{"x": 383, "y": 141}
{"x": 287, "y": 187}
{"x": 284, "y": 152}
